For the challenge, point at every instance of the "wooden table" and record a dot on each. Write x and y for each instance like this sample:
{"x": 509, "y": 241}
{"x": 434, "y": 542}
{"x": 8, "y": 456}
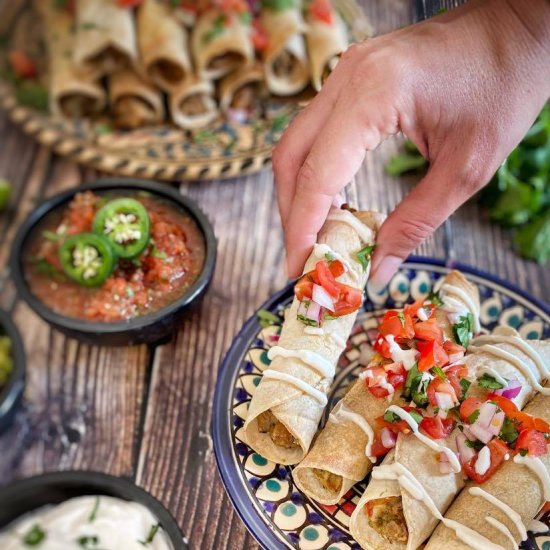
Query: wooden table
{"x": 145, "y": 413}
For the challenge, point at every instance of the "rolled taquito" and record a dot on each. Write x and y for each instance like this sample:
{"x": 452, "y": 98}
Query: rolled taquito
{"x": 339, "y": 459}
{"x": 163, "y": 44}
{"x": 285, "y": 58}
{"x": 73, "y": 91}
{"x": 192, "y": 103}
{"x": 501, "y": 508}
{"x": 287, "y": 405}
{"x": 327, "y": 39}
{"x": 221, "y": 42}
{"x": 105, "y": 36}
{"x": 411, "y": 522}
{"x": 134, "y": 102}
{"x": 242, "y": 89}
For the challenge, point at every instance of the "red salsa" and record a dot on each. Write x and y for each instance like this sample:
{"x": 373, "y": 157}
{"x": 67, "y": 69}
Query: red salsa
{"x": 112, "y": 258}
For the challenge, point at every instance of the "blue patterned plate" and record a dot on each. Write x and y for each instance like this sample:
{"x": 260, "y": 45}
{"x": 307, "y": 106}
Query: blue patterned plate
{"x": 264, "y": 493}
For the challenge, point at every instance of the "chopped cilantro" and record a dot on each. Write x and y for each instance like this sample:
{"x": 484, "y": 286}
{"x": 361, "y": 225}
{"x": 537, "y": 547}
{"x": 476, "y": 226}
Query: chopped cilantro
{"x": 509, "y": 432}
{"x": 278, "y": 5}
{"x": 330, "y": 256}
{"x": 477, "y": 445}
{"x": 34, "y": 536}
{"x": 217, "y": 29}
{"x": 435, "y": 299}
{"x": 364, "y": 255}
{"x": 438, "y": 371}
{"x": 87, "y": 541}
{"x": 390, "y": 416}
{"x": 463, "y": 329}
{"x": 523, "y": 452}
{"x": 489, "y": 382}
{"x": 416, "y": 415}
{"x": 151, "y": 535}
{"x": 93, "y": 513}
{"x": 473, "y": 417}
{"x": 266, "y": 318}
{"x": 401, "y": 317}
{"x": 306, "y": 320}
{"x": 465, "y": 385}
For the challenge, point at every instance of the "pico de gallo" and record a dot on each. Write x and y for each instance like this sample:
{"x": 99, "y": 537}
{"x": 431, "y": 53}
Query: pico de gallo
{"x": 112, "y": 258}
{"x": 322, "y": 297}
{"x": 415, "y": 360}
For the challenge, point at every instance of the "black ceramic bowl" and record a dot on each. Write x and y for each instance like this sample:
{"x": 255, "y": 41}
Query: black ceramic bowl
{"x": 12, "y": 392}
{"x": 151, "y": 327}
{"x": 23, "y": 496}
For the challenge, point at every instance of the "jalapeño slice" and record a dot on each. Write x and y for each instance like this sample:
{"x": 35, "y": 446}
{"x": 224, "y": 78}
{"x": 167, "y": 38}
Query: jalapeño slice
{"x": 125, "y": 223}
{"x": 87, "y": 259}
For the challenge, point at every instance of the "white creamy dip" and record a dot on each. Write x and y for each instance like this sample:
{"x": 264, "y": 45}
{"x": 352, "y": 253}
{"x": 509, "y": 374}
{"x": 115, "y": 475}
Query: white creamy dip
{"x": 115, "y": 522}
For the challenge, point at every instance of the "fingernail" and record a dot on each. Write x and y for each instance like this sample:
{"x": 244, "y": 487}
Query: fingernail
{"x": 383, "y": 273}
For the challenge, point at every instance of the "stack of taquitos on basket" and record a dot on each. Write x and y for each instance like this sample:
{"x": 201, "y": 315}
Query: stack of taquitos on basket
{"x": 200, "y": 58}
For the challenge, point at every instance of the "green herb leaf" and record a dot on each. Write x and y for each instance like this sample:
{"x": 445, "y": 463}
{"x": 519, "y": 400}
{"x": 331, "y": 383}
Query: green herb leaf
{"x": 217, "y": 29}
{"x": 34, "y": 536}
{"x": 509, "y": 432}
{"x": 473, "y": 417}
{"x": 465, "y": 385}
{"x": 489, "y": 382}
{"x": 390, "y": 416}
{"x": 401, "y": 318}
{"x": 416, "y": 415}
{"x": 93, "y": 513}
{"x": 87, "y": 541}
{"x": 278, "y": 5}
{"x": 364, "y": 255}
{"x": 307, "y": 321}
{"x": 266, "y": 318}
{"x": 435, "y": 299}
{"x": 438, "y": 371}
{"x": 412, "y": 376}
{"x": 151, "y": 535}
{"x": 477, "y": 445}
{"x": 329, "y": 256}
{"x": 463, "y": 329}
{"x": 523, "y": 452}
{"x": 156, "y": 253}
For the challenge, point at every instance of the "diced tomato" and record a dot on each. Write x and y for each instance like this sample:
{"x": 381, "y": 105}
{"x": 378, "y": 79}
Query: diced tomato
{"x": 508, "y": 406}
{"x": 412, "y": 309}
{"x": 382, "y": 347}
{"x": 260, "y": 38}
{"x": 468, "y": 407}
{"x": 337, "y": 268}
{"x": 459, "y": 370}
{"x": 321, "y": 11}
{"x": 392, "y": 373}
{"x": 377, "y": 448}
{"x": 326, "y": 279}
{"x": 452, "y": 349}
{"x": 533, "y": 442}
{"x": 128, "y": 3}
{"x": 397, "y": 379}
{"x": 399, "y": 426}
{"x": 440, "y": 386}
{"x": 498, "y": 451}
{"x": 303, "y": 289}
{"x": 436, "y": 427}
{"x": 350, "y": 300}
{"x": 527, "y": 421}
{"x": 431, "y": 354}
{"x": 22, "y": 65}
{"x": 398, "y": 324}
{"x": 428, "y": 330}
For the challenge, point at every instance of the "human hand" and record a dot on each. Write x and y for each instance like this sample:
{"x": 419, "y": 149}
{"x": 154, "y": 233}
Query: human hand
{"x": 464, "y": 87}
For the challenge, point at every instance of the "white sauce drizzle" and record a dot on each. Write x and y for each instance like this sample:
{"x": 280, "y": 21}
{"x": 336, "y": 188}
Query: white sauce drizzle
{"x": 483, "y": 461}
{"x": 465, "y": 297}
{"x": 513, "y": 360}
{"x": 300, "y": 384}
{"x": 320, "y": 331}
{"x": 483, "y": 369}
{"x": 503, "y": 507}
{"x": 503, "y": 529}
{"x": 518, "y": 343}
{"x": 345, "y": 216}
{"x": 398, "y": 472}
{"x": 451, "y": 456}
{"x": 320, "y": 250}
{"x": 323, "y": 366}
{"x": 405, "y": 356}
{"x": 314, "y": 331}
{"x": 536, "y": 465}
{"x": 537, "y": 527}
{"x": 346, "y": 414}
{"x": 422, "y": 315}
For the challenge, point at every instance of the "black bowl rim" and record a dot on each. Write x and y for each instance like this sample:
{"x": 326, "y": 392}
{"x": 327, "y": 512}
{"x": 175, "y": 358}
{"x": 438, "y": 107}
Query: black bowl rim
{"x": 10, "y": 393}
{"x": 112, "y": 486}
{"x": 142, "y": 321}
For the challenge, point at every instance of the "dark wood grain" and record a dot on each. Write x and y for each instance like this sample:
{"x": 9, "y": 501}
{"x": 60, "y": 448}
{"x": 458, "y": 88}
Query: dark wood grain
{"x": 146, "y": 413}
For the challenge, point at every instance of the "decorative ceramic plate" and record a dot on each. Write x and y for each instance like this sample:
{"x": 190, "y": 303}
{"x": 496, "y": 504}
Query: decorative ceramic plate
{"x": 223, "y": 149}
{"x": 264, "y": 493}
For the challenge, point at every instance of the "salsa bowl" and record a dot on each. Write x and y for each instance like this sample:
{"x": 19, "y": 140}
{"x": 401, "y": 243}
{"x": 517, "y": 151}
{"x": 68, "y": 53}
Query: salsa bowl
{"x": 27, "y": 495}
{"x": 115, "y": 261}
{"x": 11, "y": 391}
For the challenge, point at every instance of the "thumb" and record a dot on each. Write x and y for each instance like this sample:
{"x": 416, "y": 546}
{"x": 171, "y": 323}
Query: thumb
{"x": 418, "y": 215}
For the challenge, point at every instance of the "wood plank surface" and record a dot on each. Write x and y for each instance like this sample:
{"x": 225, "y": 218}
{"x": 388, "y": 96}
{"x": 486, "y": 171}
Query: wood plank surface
{"x": 146, "y": 413}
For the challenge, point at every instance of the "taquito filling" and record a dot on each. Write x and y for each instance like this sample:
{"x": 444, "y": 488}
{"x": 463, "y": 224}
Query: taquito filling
{"x": 246, "y": 96}
{"x": 268, "y": 423}
{"x": 109, "y": 59}
{"x": 77, "y": 105}
{"x": 287, "y": 65}
{"x": 167, "y": 70}
{"x": 194, "y": 105}
{"x": 225, "y": 61}
{"x": 385, "y": 516}
{"x": 329, "y": 481}
{"x": 132, "y": 112}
